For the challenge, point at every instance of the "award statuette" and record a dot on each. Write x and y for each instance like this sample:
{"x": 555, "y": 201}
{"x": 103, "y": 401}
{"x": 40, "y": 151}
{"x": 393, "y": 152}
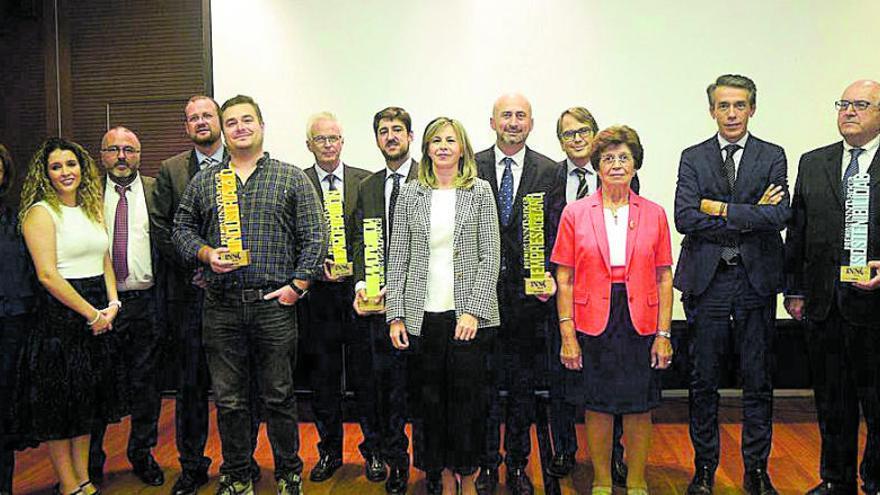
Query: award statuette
{"x": 855, "y": 234}
{"x": 341, "y": 267}
{"x": 229, "y": 219}
{"x": 374, "y": 264}
{"x": 537, "y": 281}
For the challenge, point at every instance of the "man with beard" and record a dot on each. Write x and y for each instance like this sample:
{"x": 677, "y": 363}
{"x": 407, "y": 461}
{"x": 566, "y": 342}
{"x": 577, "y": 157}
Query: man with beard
{"x": 184, "y": 293}
{"x": 514, "y": 170}
{"x": 248, "y": 314}
{"x": 330, "y": 328}
{"x": 128, "y": 199}
{"x": 377, "y": 197}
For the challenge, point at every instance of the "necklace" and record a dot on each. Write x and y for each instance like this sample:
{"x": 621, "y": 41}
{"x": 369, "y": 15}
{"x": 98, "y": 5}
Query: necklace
{"x": 614, "y": 208}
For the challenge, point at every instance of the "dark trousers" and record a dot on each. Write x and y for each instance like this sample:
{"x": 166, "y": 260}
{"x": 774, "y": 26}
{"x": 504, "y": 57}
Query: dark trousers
{"x": 333, "y": 339}
{"x": 845, "y": 368}
{"x": 448, "y": 389}
{"x": 390, "y": 376}
{"x": 141, "y": 340}
{"x": 259, "y": 336}
{"x": 516, "y": 356}
{"x": 730, "y": 295}
{"x": 193, "y": 386}
{"x": 13, "y": 332}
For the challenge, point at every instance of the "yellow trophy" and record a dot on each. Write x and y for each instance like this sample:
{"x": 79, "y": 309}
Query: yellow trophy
{"x": 229, "y": 217}
{"x": 537, "y": 281}
{"x": 374, "y": 264}
{"x": 341, "y": 266}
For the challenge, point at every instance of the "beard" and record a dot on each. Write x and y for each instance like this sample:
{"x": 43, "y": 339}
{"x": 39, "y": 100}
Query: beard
{"x": 401, "y": 152}
{"x": 209, "y": 139}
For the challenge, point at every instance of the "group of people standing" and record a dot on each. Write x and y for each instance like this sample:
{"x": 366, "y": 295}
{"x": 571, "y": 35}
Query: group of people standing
{"x": 242, "y": 255}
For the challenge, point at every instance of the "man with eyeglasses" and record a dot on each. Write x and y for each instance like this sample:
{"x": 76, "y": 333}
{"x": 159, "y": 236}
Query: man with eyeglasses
{"x": 731, "y": 203}
{"x": 128, "y": 198}
{"x": 514, "y": 170}
{"x": 331, "y": 332}
{"x": 575, "y": 130}
{"x": 184, "y": 294}
{"x": 842, "y": 318}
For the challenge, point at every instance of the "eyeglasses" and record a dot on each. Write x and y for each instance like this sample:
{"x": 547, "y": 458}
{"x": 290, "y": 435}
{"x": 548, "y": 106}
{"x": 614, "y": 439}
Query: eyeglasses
{"x": 126, "y": 150}
{"x": 583, "y": 132}
{"x": 858, "y": 105}
{"x": 320, "y": 140}
{"x": 192, "y": 119}
{"x": 609, "y": 159}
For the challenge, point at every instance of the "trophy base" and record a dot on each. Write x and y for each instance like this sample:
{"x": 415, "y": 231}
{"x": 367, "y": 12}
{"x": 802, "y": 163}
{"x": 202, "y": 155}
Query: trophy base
{"x": 855, "y": 274}
{"x": 372, "y": 304}
{"x": 338, "y": 270}
{"x": 537, "y": 286}
{"x": 238, "y": 258}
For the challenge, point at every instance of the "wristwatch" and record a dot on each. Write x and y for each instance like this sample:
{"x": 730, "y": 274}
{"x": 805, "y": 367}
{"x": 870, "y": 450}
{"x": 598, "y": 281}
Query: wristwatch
{"x": 299, "y": 292}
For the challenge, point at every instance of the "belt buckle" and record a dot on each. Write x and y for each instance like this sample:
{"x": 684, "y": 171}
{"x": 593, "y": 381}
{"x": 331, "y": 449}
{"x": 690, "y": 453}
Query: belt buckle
{"x": 251, "y": 295}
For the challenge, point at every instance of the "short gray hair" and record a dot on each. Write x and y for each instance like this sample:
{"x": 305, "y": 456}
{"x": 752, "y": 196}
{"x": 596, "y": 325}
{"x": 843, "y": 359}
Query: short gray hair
{"x": 733, "y": 81}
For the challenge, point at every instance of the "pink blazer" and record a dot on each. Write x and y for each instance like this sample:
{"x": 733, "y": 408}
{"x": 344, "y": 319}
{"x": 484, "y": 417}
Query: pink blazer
{"x": 583, "y": 244}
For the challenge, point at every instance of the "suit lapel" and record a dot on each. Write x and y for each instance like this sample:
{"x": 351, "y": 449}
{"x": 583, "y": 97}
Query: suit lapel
{"x": 874, "y": 170}
{"x": 192, "y": 165}
{"x": 487, "y": 171}
{"x": 633, "y": 227}
{"x": 597, "y": 218}
{"x": 350, "y": 186}
{"x": 747, "y": 162}
{"x": 413, "y": 170}
{"x": 423, "y": 208}
{"x": 463, "y": 202}
{"x": 526, "y": 181}
{"x": 312, "y": 174}
{"x": 833, "y": 173}
{"x": 716, "y": 164}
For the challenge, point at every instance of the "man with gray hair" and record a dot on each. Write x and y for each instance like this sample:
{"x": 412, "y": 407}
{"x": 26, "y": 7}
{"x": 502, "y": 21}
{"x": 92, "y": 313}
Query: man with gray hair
{"x": 731, "y": 203}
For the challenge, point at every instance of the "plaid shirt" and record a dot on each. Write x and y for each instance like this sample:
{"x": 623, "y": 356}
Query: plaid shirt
{"x": 282, "y": 225}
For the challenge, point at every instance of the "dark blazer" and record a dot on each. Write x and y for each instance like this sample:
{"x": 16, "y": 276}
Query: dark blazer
{"x": 174, "y": 175}
{"x": 371, "y": 204}
{"x": 754, "y": 229}
{"x": 814, "y": 244}
{"x": 538, "y": 175}
{"x": 352, "y": 177}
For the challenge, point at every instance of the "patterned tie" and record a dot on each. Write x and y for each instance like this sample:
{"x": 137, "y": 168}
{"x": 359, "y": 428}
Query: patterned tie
{"x": 331, "y": 179}
{"x": 505, "y": 192}
{"x": 582, "y": 182}
{"x": 392, "y": 203}
{"x": 851, "y": 169}
{"x": 728, "y": 253}
{"x": 120, "y": 235}
{"x": 207, "y": 162}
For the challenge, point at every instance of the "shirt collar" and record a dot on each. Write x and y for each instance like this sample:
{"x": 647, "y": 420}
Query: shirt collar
{"x": 571, "y": 167}
{"x": 337, "y": 172}
{"x": 217, "y": 156}
{"x": 518, "y": 157}
{"x": 869, "y": 147}
{"x": 742, "y": 141}
{"x": 110, "y": 186}
{"x": 403, "y": 170}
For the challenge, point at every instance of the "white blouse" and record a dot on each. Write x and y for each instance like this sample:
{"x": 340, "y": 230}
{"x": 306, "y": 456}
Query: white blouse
{"x": 440, "y": 296}
{"x": 615, "y": 229}
{"x": 80, "y": 244}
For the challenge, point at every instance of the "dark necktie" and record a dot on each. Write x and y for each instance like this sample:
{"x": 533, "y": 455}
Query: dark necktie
{"x": 851, "y": 169}
{"x": 728, "y": 253}
{"x": 120, "y": 236}
{"x": 505, "y": 192}
{"x": 582, "y": 182}
{"x": 392, "y": 202}
{"x": 331, "y": 180}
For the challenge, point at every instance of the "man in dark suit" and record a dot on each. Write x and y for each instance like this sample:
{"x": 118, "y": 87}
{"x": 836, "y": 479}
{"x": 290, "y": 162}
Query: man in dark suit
{"x": 128, "y": 197}
{"x": 330, "y": 329}
{"x": 731, "y": 202}
{"x": 513, "y": 170}
{"x": 575, "y": 179}
{"x": 376, "y": 198}
{"x": 184, "y": 295}
{"x": 842, "y": 319}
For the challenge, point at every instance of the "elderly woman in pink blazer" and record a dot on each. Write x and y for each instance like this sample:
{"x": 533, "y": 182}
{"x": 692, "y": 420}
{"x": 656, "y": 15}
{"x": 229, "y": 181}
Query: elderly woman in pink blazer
{"x": 615, "y": 305}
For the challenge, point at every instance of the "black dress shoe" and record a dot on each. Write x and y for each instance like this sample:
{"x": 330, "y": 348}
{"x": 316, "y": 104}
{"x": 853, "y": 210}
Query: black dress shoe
{"x": 703, "y": 481}
{"x": 398, "y": 477}
{"x": 757, "y": 482}
{"x": 619, "y": 471}
{"x": 518, "y": 482}
{"x": 189, "y": 483}
{"x": 324, "y": 469}
{"x": 561, "y": 466}
{"x": 148, "y": 471}
{"x": 374, "y": 468}
{"x": 830, "y": 488}
{"x": 487, "y": 481}
{"x": 434, "y": 483}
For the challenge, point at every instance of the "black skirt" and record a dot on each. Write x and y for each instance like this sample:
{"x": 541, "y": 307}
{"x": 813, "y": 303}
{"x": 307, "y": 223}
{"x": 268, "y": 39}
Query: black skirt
{"x": 69, "y": 380}
{"x": 617, "y": 377}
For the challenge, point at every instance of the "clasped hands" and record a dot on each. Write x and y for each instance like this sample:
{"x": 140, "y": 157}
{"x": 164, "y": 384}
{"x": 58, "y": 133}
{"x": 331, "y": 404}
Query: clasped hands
{"x": 772, "y": 196}
{"x": 104, "y": 323}
{"x": 465, "y": 329}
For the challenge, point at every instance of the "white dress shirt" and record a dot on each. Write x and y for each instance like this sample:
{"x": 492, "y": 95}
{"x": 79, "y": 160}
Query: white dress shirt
{"x": 389, "y": 182}
{"x": 517, "y": 167}
{"x": 440, "y": 295}
{"x": 140, "y": 264}
{"x": 864, "y": 159}
{"x": 737, "y": 155}
{"x": 572, "y": 181}
{"x": 337, "y": 172}
{"x": 616, "y": 234}
{"x": 217, "y": 157}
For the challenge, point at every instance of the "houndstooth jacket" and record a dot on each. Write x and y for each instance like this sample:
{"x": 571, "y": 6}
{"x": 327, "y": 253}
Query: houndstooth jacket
{"x": 476, "y": 255}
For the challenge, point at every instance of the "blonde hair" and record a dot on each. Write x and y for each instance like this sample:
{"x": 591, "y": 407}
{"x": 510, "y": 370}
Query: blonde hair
{"x": 317, "y": 117}
{"x": 467, "y": 164}
{"x": 37, "y": 186}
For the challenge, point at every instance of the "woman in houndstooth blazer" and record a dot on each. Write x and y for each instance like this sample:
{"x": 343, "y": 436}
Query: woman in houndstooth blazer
{"x": 443, "y": 270}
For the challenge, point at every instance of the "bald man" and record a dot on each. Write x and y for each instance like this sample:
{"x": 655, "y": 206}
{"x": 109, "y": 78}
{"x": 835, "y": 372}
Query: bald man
{"x": 842, "y": 319}
{"x": 514, "y": 170}
{"x": 127, "y": 195}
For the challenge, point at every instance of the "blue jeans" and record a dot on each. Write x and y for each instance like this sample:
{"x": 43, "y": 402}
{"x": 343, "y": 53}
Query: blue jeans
{"x": 235, "y": 335}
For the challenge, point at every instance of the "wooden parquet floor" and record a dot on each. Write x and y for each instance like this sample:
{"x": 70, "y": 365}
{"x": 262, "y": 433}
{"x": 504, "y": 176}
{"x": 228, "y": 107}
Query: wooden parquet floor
{"x": 793, "y": 464}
